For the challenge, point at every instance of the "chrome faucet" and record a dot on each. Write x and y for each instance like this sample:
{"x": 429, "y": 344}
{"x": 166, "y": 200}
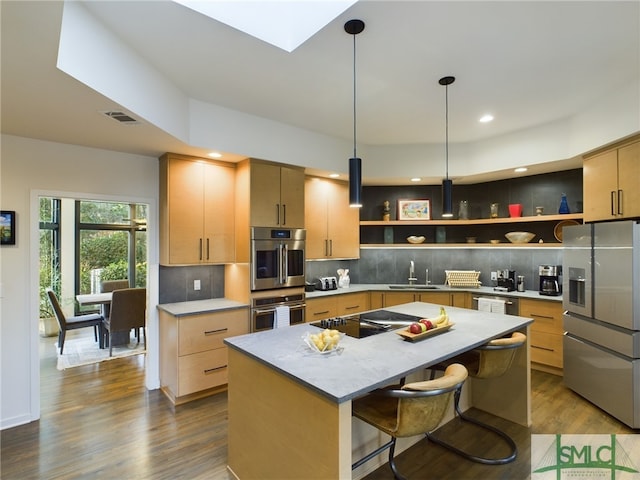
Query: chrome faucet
{"x": 412, "y": 273}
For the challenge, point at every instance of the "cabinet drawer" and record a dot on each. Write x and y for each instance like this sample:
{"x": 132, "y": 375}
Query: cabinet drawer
{"x": 353, "y": 303}
{"x": 320, "y": 308}
{"x": 547, "y": 315}
{"x": 203, "y": 370}
{"x": 546, "y": 348}
{"x": 198, "y": 333}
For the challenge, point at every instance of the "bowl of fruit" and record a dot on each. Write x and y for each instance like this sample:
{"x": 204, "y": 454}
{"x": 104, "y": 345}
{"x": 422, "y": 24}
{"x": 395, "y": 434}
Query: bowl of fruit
{"x": 324, "y": 342}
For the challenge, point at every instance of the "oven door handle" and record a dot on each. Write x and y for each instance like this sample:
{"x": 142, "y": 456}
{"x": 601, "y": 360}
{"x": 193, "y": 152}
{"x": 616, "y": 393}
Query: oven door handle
{"x": 284, "y": 270}
{"x": 506, "y": 302}
{"x": 295, "y": 306}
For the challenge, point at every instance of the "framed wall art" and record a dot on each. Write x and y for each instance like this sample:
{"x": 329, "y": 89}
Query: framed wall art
{"x": 7, "y": 227}
{"x": 414, "y": 210}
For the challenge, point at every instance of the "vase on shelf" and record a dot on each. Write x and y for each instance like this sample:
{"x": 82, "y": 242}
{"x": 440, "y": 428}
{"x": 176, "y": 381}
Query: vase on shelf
{"x": 564, "y": 205}
{"x": 463, "y": 211}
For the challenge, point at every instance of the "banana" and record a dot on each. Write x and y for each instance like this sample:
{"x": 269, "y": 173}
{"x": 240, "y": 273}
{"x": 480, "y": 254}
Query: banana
{"x": 443, "y": 318}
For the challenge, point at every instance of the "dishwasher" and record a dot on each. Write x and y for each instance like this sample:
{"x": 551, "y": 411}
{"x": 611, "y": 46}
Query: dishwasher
{"x": 511, "y": 306}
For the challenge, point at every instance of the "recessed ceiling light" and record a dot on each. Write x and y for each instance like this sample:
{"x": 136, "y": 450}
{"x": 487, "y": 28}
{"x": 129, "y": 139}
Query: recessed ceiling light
{"x": 215, "y": 155}
{"x": 416, "y": 179}
{"x": 486, "y": 118}
{"x": 334, "y": 175}
{"x": 521, "y": 169}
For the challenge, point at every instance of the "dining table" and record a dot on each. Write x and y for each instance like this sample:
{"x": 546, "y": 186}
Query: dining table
{"x": 102, "y": 299}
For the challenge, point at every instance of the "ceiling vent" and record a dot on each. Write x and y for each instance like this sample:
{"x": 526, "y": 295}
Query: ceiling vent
{"x": 122, "y": 117}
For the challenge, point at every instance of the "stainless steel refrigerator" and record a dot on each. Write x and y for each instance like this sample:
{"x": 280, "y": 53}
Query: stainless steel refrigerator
{"x": 601, "y": 297}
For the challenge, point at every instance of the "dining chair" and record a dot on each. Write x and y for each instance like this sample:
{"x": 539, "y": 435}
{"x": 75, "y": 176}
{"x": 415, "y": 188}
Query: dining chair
{"x": 491, "y": 360}
{"x": 128, "y": 311}
{"x": 407, "y": 410}
{"x": 72, "y": 323}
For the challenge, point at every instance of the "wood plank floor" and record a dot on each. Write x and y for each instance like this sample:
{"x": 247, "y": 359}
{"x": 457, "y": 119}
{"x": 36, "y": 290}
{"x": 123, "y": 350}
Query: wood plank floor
{"x": 100, "y": 422}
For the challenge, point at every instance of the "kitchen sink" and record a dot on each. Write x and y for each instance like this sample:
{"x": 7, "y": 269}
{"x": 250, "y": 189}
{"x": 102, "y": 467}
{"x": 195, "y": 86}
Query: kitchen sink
{"x": 413, "y": 287}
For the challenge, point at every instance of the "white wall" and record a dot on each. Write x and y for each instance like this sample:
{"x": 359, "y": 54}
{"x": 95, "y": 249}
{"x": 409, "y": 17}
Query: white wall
{"x": 30, "y": 168}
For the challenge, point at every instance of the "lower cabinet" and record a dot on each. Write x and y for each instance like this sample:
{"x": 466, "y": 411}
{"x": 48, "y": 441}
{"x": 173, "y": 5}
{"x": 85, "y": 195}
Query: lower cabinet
{"x": 546, "y": 333}
{"x": 193, "y": 358}
{"x": 336, "y": 305}
{"x": 448, "y": 299}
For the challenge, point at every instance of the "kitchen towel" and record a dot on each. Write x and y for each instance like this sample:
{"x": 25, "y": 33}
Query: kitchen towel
{"x": 492, "y": 305}
{"x": 282, "y": 317}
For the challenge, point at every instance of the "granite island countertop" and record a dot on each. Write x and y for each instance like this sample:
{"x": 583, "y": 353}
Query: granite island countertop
{"x": 372, "y": 362}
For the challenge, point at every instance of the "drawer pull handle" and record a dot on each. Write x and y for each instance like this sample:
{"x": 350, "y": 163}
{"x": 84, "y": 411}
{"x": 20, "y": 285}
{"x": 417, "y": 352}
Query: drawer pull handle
{"x": 321, "y": 313}
{"x": 542, "y": 316}
{"x": 213, "y": 332}
{"x": 352, "y": 307}
{"x": 543, "y": 348}
{"x": 211, "y": 370}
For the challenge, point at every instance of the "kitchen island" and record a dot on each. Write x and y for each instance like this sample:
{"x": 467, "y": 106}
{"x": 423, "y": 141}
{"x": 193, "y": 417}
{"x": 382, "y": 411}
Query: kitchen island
{"x": 290, "y": 408}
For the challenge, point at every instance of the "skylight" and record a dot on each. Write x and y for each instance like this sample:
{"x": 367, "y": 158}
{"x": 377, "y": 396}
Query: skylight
{"x": 286, "y": 24}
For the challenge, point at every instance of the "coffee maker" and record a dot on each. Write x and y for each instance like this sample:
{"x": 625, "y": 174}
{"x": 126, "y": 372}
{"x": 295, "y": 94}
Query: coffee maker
{"x": 506, "y": 281}
{"x": 550, "y": 280}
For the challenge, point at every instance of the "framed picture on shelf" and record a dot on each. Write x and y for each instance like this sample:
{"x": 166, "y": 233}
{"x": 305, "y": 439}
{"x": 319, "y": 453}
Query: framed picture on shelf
{"x": 414, "y": 210}
{"x": 7, "y": 227}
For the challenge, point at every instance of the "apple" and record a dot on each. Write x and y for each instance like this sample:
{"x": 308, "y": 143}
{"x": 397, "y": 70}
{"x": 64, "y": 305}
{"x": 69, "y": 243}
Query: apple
{"x": 417, "y": 327}
{"x": 427, "y": 323}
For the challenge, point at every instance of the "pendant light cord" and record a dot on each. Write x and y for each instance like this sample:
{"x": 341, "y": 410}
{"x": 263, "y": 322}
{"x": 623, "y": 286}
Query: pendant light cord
{"x": 354, "y": 97}
{"x": 446, "y": 130}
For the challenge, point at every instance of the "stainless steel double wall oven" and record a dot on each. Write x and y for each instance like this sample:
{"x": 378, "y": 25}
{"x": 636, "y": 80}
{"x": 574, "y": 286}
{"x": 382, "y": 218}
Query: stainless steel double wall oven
{"x": 277, "y": 275}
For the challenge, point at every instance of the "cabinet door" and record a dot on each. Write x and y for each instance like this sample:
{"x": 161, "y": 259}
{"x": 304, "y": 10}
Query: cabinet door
{"x": 398, "y": 298}
{"x": 320, "y": 308}
{"x": 600, "y": 185}
{"x": 333, "y": 228}
{"x": 629, "y": 180}
{"x": 353, "y": 303}
{"x": 315, "y": 213}
{"x": 343, "y": 223}
{"x": 185, "y": 203}
{"x": 439, "y": 298}
{"x": 292, "y": 197}
{"x": 265, "y": 195}
{"x": 219, "y": 214}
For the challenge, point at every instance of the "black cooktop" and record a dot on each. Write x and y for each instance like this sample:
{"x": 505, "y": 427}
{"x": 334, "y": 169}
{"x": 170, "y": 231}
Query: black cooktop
{"x": 368, "y": 323}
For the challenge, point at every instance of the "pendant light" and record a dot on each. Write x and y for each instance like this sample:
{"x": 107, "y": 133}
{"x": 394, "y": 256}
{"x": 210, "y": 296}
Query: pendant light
{"x": 354, "y": 27}
{"x": 447, "y": 184}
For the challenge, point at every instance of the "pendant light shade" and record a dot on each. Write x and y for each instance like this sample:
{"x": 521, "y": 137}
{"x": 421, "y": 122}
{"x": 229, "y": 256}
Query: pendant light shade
{"x": 447, "y": 184}
{"x": 354, "y": 27}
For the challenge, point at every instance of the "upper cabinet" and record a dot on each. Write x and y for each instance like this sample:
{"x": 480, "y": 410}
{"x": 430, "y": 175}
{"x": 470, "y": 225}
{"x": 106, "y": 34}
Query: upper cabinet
{"x": 277, "y": 196}
{"x": 196, "y": 211}
{"x": 332, "y": 226}
{"x": 612, "y": 183}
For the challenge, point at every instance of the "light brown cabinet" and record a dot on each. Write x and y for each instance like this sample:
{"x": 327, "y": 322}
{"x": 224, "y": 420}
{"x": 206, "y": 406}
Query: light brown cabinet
{"x": 333, "y": 229}
{"x": 611, "y": 183}
{"x": 389, "y": 299}
{"x": 277, "y": 196}
{"x": 196, "y": 211}
{"x": 193, "y": 363}
{"x": 336, "y": 305}
{"x": 546, "y": 332}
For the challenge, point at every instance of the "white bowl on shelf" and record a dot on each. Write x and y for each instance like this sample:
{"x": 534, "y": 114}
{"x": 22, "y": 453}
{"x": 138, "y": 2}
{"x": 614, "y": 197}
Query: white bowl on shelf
{"x": 520, "y": 237}
{"x": 415, "y": 239}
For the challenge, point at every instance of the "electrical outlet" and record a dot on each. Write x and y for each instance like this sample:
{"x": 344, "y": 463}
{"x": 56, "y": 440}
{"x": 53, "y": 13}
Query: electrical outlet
{"x": 196, "y": 284}
{"x": 494, "y": 276}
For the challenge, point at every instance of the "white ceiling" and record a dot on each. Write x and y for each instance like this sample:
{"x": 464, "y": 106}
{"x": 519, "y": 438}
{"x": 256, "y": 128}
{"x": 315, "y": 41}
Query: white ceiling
{"x": 527, "y": 63}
